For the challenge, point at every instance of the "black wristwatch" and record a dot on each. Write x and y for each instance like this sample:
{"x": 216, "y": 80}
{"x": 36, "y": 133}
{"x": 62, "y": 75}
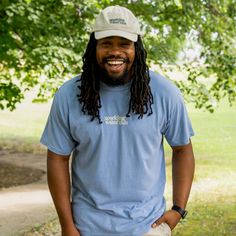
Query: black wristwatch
{"x": 181, "y": 211}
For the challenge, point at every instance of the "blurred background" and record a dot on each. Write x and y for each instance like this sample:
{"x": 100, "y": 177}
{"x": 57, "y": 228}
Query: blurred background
{"x": 190, "y": 42}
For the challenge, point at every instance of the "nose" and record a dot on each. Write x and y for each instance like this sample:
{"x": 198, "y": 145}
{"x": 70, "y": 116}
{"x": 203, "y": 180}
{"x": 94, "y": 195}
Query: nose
{"x": 114, "y": 50}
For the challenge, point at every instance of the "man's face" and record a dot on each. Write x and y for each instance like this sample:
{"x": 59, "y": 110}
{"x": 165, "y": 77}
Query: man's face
{"x": 115, "y": 56}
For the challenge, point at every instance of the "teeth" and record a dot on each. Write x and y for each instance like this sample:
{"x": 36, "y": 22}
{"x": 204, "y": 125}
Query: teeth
{"x": 115, "y": 62}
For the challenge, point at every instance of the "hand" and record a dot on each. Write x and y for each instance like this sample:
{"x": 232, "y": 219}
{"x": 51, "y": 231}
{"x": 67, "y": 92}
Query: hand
{"x": 170, "y": 217}
{"x": 70, "y": 232}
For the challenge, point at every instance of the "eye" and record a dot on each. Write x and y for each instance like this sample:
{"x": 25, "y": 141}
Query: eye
{"x": 125, "y": 44}
{"x": 105, "y": 44}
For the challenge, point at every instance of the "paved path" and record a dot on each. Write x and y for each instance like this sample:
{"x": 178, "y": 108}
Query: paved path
{"x": 24, "y": 207}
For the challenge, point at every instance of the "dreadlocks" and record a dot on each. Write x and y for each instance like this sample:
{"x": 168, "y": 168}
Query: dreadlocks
{"x": 141, "y": 98}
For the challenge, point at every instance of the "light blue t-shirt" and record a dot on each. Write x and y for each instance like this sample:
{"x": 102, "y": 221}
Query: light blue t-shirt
{"x": 118, "y": 167}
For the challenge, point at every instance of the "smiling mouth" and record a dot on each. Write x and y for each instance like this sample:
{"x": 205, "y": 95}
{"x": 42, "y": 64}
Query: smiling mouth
{"x": 116, "y": 66}
{"x": 115, "y": 62}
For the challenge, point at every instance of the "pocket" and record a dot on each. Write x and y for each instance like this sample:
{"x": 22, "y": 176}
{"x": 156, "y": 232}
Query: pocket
{"x": 167, "y": 229}
{"x": 162, "y": 230}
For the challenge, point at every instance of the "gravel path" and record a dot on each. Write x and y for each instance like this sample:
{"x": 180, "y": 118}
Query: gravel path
{"x": 24, "y": 207}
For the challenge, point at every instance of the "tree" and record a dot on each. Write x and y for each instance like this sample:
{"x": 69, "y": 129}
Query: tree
{"x": 42, "y": 43}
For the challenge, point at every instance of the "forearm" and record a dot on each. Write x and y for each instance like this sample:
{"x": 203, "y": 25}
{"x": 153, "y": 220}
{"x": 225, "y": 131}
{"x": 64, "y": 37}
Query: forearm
{"x": 59, "y": 186}
{"x": 182, "y": 174}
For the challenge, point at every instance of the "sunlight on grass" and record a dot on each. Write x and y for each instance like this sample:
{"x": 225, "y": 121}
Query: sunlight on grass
{"x": 215, "y": 133}
{"x": 24, "y": 122}
{"x": 208, "y": 218}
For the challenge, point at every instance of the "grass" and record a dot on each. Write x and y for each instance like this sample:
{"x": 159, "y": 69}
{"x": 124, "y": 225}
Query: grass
{"x": 21, "y": 129}
{"x": 217, "y": 220}
{"x": 214, "y": 142}
{"x": 212, "y": 204}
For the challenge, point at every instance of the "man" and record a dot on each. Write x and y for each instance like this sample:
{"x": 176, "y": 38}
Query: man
{"x": 112, "y": 119}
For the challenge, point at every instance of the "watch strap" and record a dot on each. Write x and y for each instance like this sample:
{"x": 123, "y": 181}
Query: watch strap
{"x": 181, "y": 211}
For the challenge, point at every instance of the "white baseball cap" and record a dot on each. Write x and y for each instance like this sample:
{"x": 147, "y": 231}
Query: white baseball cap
{"x": 116, "y": 21}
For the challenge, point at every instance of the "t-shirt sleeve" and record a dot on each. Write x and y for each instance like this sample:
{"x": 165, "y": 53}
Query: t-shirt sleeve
{"x": 56, "y": 135}
{"x": 178, "y": 129}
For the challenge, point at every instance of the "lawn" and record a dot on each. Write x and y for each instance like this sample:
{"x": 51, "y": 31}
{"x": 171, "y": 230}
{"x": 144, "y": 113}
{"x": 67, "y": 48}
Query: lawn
{"x": 212, "y": 204}
{"x": 20, "y": 130}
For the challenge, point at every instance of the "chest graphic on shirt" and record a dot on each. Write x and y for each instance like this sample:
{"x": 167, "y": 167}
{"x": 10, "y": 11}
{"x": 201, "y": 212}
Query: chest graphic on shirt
{"x": 116, "y": 120}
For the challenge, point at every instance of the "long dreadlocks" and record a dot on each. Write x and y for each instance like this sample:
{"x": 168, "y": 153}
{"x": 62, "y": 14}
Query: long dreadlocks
{"x": 141, "y": 98}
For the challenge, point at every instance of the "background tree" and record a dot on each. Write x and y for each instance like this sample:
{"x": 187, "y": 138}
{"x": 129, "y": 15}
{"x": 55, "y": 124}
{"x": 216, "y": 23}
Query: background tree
{"x": 42, "y": 43}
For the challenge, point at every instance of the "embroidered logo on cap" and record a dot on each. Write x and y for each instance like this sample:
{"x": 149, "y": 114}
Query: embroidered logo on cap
{"x": 117, "y": 21}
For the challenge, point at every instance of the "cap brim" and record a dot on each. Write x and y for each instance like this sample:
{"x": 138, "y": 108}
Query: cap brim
{"x": 109, "y": 33}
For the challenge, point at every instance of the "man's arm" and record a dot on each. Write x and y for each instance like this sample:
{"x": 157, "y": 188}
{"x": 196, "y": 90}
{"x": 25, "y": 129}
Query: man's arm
{"x": 182, "y": 176}
{"x": 59, "y": 185}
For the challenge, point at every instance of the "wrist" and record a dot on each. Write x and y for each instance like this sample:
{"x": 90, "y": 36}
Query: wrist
{"x": 182, "y": 212}
{"x": 66, "y": 223}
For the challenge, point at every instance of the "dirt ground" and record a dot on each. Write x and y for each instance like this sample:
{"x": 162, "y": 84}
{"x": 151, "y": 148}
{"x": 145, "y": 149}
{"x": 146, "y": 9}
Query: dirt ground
{"x": 25, "y": 201}
{"x": 20, "y": 168}
{"x": 12, "y": 175}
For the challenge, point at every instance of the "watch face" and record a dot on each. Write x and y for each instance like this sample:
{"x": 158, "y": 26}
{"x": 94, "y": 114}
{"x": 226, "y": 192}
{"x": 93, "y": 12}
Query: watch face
{"x": 181, "y": 211}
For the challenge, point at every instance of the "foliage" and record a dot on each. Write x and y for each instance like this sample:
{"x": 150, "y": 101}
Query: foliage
{"x": 42, "y": 43}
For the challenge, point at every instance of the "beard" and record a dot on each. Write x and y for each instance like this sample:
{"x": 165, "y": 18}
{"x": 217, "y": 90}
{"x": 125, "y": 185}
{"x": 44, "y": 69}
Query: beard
{"x": 113, "y": 79}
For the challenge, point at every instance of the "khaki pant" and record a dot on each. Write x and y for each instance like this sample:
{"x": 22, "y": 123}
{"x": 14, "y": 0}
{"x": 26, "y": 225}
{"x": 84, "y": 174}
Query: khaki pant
{"x": 162, "y": 230}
